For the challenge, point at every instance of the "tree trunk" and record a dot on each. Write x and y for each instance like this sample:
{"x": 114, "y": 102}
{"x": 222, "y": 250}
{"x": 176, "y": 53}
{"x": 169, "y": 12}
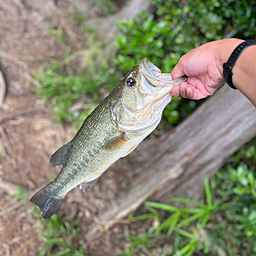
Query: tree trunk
{"x": 180, "y": 161}
{"x": 107, "y": 28}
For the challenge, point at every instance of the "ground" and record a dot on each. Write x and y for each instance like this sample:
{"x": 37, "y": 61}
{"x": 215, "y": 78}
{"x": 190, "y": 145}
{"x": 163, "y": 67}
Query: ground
{"x": 29, "y": 135}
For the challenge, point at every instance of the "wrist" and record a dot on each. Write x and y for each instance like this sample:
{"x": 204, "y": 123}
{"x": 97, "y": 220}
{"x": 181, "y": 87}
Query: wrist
{"x": 224, "y": 49}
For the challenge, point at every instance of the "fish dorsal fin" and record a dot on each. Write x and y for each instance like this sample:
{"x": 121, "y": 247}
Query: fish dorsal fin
{"x": 59, "y": 157}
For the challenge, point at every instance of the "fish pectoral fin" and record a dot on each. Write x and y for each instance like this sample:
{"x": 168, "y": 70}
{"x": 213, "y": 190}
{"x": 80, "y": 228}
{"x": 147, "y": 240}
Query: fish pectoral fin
{"x": 59, "y": 157}
{"x": 84, "y": 186}
{"x": 116, "y": 142}
{"x": 130, "y": 150}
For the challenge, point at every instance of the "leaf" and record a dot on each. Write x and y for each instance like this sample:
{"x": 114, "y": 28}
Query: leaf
{"x": 164, "y": 207}
{"x": 241, "y": 191}
{"x": 252, "y": 215}
{"x": 186, "y": 201}
{"x": 174, "y": 223}
{"x": 185, "y": 233}
{"x": 192, "y": 218}
{"x": 208, "y": 192}
{"x": 166, "y": 223}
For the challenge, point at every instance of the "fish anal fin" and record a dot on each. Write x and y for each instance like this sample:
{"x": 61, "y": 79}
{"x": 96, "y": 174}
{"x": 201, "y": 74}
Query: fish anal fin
{"x": 84, "y": 186}
{"x": 59, "y": 157}
{"x": 130, "y": 150}
{"x": 116, "y": 143}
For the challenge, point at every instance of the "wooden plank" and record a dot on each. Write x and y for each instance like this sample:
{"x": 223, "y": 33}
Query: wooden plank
{"x": 196, "y": 149}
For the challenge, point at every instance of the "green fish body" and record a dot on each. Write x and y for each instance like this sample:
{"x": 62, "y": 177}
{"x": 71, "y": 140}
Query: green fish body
{"x": 113, "y": 130}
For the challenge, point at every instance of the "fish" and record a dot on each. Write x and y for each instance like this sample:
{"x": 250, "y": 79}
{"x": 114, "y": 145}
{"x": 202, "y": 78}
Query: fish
{"x": 113, "y": 130}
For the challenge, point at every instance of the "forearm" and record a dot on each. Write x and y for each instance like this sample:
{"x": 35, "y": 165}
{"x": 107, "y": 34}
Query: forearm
{"x": 244, "y": 73}
{"x": 244, "y": 70}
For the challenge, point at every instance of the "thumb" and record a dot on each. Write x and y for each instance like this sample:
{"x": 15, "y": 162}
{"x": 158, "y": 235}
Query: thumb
{"x": 178, "y": 70}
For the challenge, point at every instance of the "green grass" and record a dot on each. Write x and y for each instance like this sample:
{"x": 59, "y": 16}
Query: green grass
{"x": 184, "y": 223}
{"x": 60, "y": 237}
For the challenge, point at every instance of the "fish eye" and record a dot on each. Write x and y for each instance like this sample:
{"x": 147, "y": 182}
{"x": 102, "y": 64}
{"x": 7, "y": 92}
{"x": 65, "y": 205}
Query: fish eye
{"x": 131, "y": 81}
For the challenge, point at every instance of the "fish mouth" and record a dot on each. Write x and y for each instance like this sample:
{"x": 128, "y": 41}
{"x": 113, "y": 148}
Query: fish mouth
{"x": 153, "y": 74}
{"x": 155, "y": 77}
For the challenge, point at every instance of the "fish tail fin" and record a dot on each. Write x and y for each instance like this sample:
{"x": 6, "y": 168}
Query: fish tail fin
{"x": 48, "y": 203}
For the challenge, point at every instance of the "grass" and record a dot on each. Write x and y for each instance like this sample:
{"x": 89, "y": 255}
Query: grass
{"x": 59, "y": 236}
{"x": 185, "y": 223}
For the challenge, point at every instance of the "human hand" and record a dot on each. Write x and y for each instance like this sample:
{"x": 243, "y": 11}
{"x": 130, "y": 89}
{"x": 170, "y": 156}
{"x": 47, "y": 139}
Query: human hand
{"x": 203, "y": 67}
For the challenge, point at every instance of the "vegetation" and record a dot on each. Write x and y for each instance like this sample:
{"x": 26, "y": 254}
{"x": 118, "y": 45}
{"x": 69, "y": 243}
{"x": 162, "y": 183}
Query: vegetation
{"x": 184, "y": 223}
{"x": 236, "y": 184}
{"x": 60, "y": 237}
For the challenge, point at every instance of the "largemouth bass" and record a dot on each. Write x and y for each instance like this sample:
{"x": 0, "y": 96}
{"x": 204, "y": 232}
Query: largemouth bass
{"x": 113, "y": 130}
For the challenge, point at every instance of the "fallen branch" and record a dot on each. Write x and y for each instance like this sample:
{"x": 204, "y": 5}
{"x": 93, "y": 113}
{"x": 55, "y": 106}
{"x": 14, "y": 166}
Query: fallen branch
{"x": 25, "y": 111}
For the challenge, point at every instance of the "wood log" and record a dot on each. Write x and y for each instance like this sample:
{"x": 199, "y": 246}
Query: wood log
{"x": 196, "y": 149}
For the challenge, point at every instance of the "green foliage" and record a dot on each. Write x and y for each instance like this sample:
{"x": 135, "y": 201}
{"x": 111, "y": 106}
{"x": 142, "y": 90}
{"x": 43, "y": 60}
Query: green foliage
{"x": 64, "y": 88}
{"x": 59, "y": 236}
{"x": 80, "y": 20}
{"x": 184, "y": 222}
{"x": 240, "y": 17}
{"x": 234, "y": 226}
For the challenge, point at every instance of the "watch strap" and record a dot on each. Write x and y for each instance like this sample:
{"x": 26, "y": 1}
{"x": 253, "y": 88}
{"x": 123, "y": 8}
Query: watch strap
{"x": 227, "y": 67}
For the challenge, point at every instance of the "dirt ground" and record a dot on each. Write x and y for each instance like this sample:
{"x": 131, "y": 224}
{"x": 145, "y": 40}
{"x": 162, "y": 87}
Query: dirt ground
{"x": 29, "y": 134}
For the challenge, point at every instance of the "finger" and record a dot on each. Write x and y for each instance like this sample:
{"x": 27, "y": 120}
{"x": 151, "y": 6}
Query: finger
{"x": 175, "y": 92}
{"x": 190, "y": 92}
{"x": 198, "y": 95}
{"x": 183, "y": 90}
